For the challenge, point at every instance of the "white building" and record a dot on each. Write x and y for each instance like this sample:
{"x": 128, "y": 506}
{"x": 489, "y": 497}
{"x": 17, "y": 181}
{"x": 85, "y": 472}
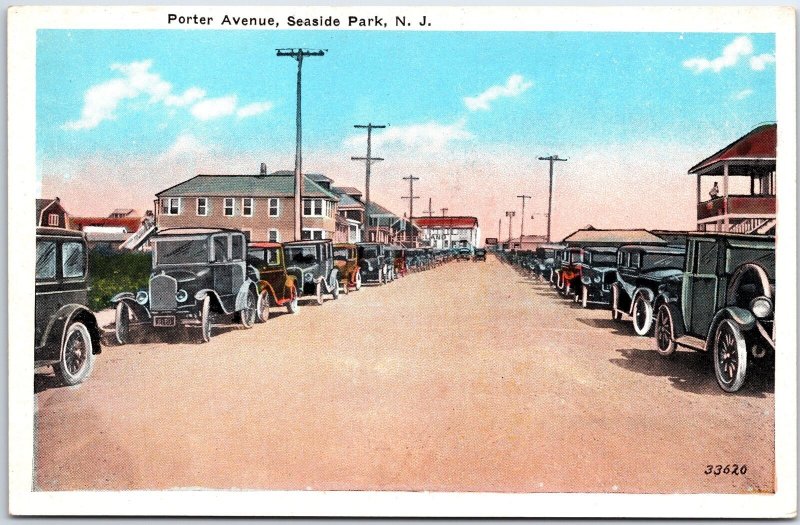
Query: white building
{"x": 449, "y": 231}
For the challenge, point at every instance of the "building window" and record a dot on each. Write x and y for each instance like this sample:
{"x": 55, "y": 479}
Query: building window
{"x": 171, "y": 206}
{"x": 247, "y": 207}
{"x": 273, "y": 235}
{"x": 228, "y": 206}
{"x": 313, "y": 234}
{"x": 274, "y": 207}
{"x": 202, "y": 206}
{"x": 52, "y": 219}
{"x": 312, "y": 207}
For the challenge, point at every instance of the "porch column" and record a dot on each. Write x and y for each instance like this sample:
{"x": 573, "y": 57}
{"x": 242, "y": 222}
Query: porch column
{"x": 725, "y": 195}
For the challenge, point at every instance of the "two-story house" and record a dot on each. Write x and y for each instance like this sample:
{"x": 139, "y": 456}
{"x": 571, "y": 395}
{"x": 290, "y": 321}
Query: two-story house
{"x": 260, "y": 205}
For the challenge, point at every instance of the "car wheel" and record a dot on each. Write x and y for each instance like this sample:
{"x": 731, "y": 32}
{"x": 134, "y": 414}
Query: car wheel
{"x": 642, "y": 315}
{"x": 263, "y": 306}
{"x": 122, "y": 323}
{"x": 730, "y": 356}
{"x": 616, "y": 315}
{"x": 346, "y": 286}
{"x": 334, "y": 286}
{"x": 293, "y": 306}
{"x": 665, "y": 331}
{"x": 380, "y": 276}
{"x": 250, "y": 311}
{"x": 585, "y": 297}
{"x": 75, "y": 363}
{"x": 205, "y": 319}
{"x": 358, "y": 280}
{"x": 320, "y": 299}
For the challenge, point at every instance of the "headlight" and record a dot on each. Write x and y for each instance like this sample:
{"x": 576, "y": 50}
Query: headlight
{"x": 597, "y": 279}
{"x": 181, "y": 296}
{"x": 585, "y": 279}
{"x": 141, "y": 297}
{"x": 307, "y": 277}
{"x": 369, "y": 267}
{"x": 761, "y": 307}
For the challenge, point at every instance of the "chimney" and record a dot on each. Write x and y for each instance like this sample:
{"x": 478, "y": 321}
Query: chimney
{"x": 263, "y": 168}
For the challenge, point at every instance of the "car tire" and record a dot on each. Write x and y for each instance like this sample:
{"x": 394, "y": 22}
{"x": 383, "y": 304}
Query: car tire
{"x": 335, "y": 286}
{"x": 380, "y": 277}
{"x": 584, "y": 297}
{"x": 205, "y": 319}
{"x": 248, "y": 314}
{"x": 616, "y": 314}
{"x": 263, "y": 306}
{"x": 358, "y": 280}
{"x": 122, "y": 323}
{"x": 319, "y": 290}
{"x": 642, "y": 315}
{"x": 730, "y": 356}
{"x": 293, "y": 306}
{"x": 76, "y": 358}
{"x": 664, "y": 332}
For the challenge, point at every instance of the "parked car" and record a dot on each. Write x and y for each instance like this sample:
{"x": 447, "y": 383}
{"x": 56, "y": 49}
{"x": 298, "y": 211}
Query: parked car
{"x": 641, "y": 271}
{"x": 569, "y": 275}
{"x": 545, "y": 258}
{"x": 464, "y": 253}
{"x": 598, "y": 272}
{"x": 276, "y": 287}
{"x": 67, "y": 336}
{"x": 372, "y": 261}
{"x": 311, "y": 262}
{"x": 389, "y": 253}
{"x": 480, "y": 254}
{"x": 198, "y": 274}
{"x": 400, "y": 261}
{"x": 345, "y": 257}
{"x": 724, "y": 303}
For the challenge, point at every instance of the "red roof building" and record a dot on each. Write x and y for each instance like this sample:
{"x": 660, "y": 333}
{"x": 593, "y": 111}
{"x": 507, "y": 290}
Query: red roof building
{"x": 449, "y": 231}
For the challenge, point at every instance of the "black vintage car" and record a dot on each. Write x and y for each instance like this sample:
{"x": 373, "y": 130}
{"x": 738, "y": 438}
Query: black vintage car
{"x": 641, "y": 270}
{"x": 545, "y": 260}
{"x": 66, "y": 332}
{"x": 312, "y": 264}
{"x": 598, "y": 272}
{"x": 480, "y": 254}
{"x": 724, "y": 303}
{"x": 198, "y": 274}
{"x": 372, "y": 261}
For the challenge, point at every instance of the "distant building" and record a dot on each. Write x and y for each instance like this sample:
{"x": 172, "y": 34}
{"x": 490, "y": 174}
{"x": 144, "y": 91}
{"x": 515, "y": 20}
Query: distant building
{"x": 597, "y": 237}
{"x": 49, "y": 212}
{"x": 260, "y": 205}
{"x": 750, "y": 211}
{"x": 350, "y": 215}
{"x": 388, "y": 228}
{"x": 108, "y": 232}
{"x": 449, "y": 231}
{"x": 528, "y": 242}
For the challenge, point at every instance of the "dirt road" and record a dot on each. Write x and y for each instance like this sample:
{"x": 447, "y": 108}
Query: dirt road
{"x": 467, "y": 377}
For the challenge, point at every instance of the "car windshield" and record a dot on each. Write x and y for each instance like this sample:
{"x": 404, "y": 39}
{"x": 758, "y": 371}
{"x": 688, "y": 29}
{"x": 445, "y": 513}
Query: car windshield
{"x": 574, "y": 257}
{"x": 340, "y": 254}
{"x": 369, "y": 253}
{"x": 601, "y": 259}
{"x": 180, "y": 251}
{"x": 264, "y": 256}
{"x": 301, "y": 255}
{"x": 662, "y": 260}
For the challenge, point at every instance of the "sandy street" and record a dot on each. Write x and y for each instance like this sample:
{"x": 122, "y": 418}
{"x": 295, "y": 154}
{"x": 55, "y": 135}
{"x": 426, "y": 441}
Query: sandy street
{"x": 467, "y": 377}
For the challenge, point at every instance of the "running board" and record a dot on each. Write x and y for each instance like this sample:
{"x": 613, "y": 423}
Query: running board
{"x": 694, "y": 343}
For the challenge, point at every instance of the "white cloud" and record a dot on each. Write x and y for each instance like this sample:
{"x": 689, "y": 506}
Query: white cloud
{"x": 740, "y": 47}
{"x": 101, "y": 101}
{"x": 759, "y": 62}
{"x": 213, "y": 108}
{"x": 514, "y": 87}
{"x": 743, "y": 94}
{"x": 429, "y": 136}
{"x": 183, "y": 145}
{"x": 251, "y": 110}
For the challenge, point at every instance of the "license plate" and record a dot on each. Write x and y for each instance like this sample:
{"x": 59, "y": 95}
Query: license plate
{"x": 164, "y": 320}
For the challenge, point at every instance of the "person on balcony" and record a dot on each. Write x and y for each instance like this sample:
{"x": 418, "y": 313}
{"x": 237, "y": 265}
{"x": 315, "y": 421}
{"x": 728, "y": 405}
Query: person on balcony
{"x": 714, "y": 193}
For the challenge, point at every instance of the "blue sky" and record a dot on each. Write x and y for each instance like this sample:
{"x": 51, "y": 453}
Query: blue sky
{"x": 122, "y": 94}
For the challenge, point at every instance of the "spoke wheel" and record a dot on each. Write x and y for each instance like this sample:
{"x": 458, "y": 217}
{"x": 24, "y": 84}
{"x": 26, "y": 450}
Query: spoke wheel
{"x": 665, "y": 331}
{"x": 616, "y": 315}
{"x": 319, "y": 293}
{"x": 730, "y": 356}
{"x": 358, "y": 280}
{"x": 205, "y": 319}
{"x": 642, "y": 315}
{"x": 293, "y": 305}
{"x": 334, "y": 280}
{"x": 263, "y": 306}
{"x": 76, "y": 360}
{"x": 122, "y": 323}
{"x": 585, "y": 297}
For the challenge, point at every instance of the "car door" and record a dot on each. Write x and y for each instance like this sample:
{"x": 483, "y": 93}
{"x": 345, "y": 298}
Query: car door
{"x": 223, "y": 269}
{"x": 703, "y": 285}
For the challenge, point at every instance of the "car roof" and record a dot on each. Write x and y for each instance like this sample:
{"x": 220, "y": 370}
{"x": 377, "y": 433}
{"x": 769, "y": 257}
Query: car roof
{"x": 649, "y": 248}
{"x": 343, "y": 245}
{"x": 730, "y": 235}
{"x": 195, "y": 231}
{"x": 61, "y": 232}
{"x": 307, "y": 241}
{"x": 264, "y": 245}
{"x": 600, "y": 249}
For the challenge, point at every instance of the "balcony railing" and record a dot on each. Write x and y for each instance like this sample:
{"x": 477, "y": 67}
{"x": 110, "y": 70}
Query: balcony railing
{"x": 758, "y": 205}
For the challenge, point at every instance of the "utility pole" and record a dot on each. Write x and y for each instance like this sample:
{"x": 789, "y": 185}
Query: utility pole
{"x": 499, "y": 228}
{"x": 299, "y": 54}
{"x": 369, "y": 159}
{"x": 410, "y": 196}
{"x": 522, "y": 218}
{"x": 551, "y": 159}
{"x": 450, "y": 231}
{"x": 429, "y": 211}
{"x": 510, "y": 215}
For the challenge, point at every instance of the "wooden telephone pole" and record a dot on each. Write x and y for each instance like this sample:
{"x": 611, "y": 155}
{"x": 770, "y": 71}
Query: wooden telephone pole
{"x": 429, "y": 211}
{"x": 551, "y": 159}
{"x": 299, "y": 54}
{"x": 368, "y": 160}
{"x": 410, "y": 198}
{"x": 522, "y": 225}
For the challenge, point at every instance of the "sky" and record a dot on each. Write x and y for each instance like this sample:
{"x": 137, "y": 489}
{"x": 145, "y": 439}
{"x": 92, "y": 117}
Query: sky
{"x": 124, "y": 114}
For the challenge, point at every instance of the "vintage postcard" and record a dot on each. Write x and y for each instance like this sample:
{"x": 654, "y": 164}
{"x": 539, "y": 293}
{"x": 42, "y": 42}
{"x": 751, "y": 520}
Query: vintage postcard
{"x": 402, "y": 261}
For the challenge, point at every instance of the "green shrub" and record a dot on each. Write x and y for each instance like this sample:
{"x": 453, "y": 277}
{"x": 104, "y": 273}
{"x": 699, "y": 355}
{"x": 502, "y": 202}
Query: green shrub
{"x": 114, "y": 272}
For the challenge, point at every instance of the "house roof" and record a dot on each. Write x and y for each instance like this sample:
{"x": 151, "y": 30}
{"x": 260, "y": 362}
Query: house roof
{"x": 346, "y": 200}
{"x": 347, "y": 190}
{"x": 376, "y": 209}
{"x": 277, "y": 184}
{"x": 583, "y": 237}
{"x": 756, "y": 148}
{"x": 131, "y": 224}
{"x": 448, "y": 221}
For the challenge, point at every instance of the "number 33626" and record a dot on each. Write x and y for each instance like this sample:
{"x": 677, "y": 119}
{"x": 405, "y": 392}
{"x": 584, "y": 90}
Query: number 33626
{"x": 734, "y": 470}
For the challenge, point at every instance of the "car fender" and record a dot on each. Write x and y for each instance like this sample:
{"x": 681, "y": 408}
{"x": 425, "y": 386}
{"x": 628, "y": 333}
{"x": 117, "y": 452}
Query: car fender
{"x": 648, "y": 295}
{"x": 209, "y": 292}
{"x": 742, "y": 317}
{"x": 241, "y": 296}
{"x": 264, "y": 286}
{"x": 140, "y": 311}
{"x": 53, "y": 335}
{"x": 333, "y": 280}
{"x": 123, "y": 296}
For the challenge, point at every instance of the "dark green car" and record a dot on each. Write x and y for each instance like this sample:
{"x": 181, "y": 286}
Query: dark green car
{"x": 724, "y": 303}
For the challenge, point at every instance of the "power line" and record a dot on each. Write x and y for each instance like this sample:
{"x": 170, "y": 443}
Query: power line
{"x": 551, "y": 159}
{"x": 368, "y": 160}
{"x": 299, "y": 54}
